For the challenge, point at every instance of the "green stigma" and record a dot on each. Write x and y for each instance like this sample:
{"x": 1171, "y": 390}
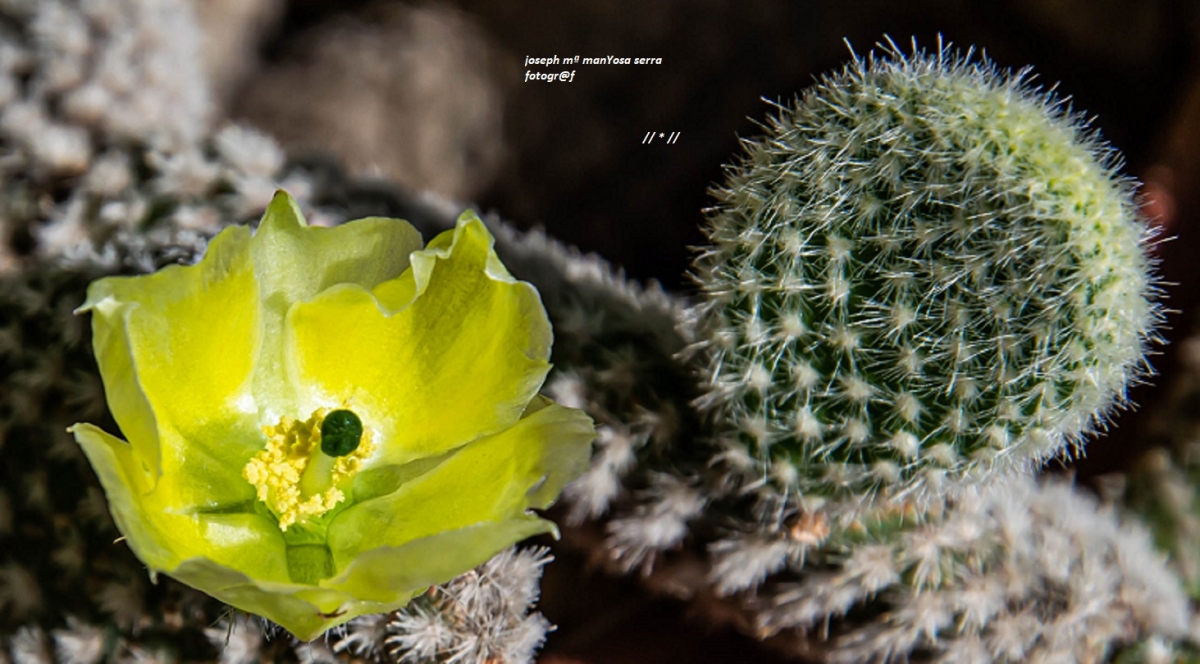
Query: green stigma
{"x": 340, "y": 433}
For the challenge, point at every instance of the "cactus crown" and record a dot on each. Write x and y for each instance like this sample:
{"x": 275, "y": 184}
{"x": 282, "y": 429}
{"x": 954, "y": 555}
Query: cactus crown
{"x": 926, "y": 269}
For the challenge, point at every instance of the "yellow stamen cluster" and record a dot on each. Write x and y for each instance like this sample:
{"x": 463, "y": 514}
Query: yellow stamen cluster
{"x": 278, "y": 471}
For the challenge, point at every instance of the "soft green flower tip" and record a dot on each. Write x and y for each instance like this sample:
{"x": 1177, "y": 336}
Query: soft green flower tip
{"x": 320, "y": 423}
{"x": 285, "y": 211}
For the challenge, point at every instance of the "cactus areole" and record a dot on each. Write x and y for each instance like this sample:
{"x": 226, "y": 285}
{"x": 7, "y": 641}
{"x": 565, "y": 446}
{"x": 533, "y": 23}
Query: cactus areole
{"x": 925, "y": 269}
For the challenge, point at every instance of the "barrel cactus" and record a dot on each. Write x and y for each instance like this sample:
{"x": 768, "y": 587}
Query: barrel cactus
{"x": 927, "y": 271}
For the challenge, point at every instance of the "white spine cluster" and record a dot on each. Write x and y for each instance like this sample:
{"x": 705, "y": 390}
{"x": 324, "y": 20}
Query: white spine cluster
{"x": 238, "y": 638}
{"x": 481, "y": 616}
{"x": 79, "y": 642}
{"x": 1015, "y": 571}
{"x": 658, "y": 523}
{"x": 926, "y": 270}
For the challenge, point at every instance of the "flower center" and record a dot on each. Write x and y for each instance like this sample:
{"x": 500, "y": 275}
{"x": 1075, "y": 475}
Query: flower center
{"x": 306, "y": 464}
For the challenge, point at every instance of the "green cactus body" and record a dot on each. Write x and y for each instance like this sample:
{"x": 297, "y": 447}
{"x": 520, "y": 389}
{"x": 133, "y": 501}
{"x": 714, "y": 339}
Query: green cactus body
{"x": 925, "y": 270}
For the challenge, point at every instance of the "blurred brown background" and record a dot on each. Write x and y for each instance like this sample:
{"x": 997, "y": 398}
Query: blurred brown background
{"x": 433, "y": 95}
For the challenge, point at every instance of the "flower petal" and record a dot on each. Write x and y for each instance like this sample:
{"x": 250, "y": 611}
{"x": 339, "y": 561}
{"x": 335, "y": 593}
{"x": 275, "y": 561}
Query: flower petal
{"x": 176, "y": 352}
{"x": 305, "y": 611}
{"x": 295, "y": 262}
{"x": 460, "y": 359}
{"x": 567, "y": 435}
{"x": 492, "y": 480}
{"x": 377, "y": 574}
{"x": 162, "y": 536}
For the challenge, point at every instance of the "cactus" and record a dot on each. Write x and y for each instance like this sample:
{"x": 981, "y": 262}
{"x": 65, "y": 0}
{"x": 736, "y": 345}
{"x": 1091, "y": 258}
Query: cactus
{"x": 953, "y": 578}
{"x": 927, "y": 271}
{"x": 955, "y": 575}
{"x": 956, "y": 581}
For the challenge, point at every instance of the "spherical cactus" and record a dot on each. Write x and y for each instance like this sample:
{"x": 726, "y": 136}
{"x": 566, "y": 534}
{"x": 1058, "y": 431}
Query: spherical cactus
{"x": 927, "y": 270}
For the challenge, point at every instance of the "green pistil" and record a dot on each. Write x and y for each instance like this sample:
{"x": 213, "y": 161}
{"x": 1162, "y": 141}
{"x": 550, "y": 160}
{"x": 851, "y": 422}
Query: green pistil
{"x": 341, "y": 433}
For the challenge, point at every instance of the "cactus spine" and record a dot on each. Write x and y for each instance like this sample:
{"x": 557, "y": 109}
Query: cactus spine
{"x": 926, "y": 270}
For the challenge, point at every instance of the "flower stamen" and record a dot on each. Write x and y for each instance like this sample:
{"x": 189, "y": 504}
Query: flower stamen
{"x": 294, "y": 478}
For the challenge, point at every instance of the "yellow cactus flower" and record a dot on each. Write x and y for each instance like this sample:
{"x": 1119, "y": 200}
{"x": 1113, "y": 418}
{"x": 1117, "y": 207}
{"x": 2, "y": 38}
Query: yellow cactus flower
{"x": 323, "y": 422}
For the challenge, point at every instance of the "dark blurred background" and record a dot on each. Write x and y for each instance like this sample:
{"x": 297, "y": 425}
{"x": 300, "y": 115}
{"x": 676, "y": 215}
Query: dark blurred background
{"x": 387, "y": 83}
{"x": 433, "y": 95}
